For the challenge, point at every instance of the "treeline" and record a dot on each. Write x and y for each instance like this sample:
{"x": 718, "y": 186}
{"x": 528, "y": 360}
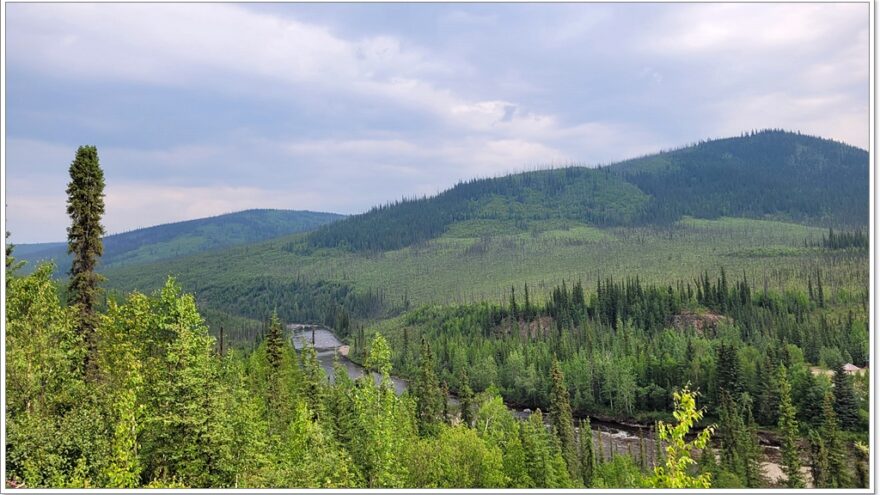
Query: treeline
{"x": 161, "y": 407}
{"x": 770, "y": 172}
{"x": 842, "y": 240}
{"x": 328, "y": 303}
{"x": 625, "y": 347}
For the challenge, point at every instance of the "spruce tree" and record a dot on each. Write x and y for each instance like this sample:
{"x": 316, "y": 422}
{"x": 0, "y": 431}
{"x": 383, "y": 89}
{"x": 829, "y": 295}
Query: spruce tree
{"x": 587, "y": 456}
{"x": 863, "y": 469}
{"x": 751, "y": 452}
{"x": 728, "y": 372}
{"x": 274, "y": 342}
{"x": 730, "y": 428}
{"x": 560, "y": 414}
{"x": 85, "y": 206}
{"x": 768, "y": 409}
{"x": 838, "y": 463}
{"x": 788, "y": 427}
{"x": 845, "y": 405}
{"x": 313, "y": 381}
{"x": 426, "y": 389}
{"x": 514, "y": 311}
{"x": 818, "y": 460}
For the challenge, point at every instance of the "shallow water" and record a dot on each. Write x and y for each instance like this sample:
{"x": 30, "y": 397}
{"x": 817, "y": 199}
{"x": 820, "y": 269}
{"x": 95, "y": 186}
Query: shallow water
{"x": 326, "y": 344}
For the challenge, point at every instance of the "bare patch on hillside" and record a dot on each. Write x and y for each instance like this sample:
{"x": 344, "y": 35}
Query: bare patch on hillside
{"x": 699, "y": 322}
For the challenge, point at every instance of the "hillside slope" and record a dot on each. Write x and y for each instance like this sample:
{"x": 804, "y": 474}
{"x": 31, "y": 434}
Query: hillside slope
{"x": 183, "y": 238}
{"x": 769, "y": 174}
{"x": 475, "y": 241}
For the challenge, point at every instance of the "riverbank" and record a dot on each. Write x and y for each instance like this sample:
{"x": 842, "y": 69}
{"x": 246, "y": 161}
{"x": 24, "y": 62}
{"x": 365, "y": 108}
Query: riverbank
{"x": 612, "y": 436}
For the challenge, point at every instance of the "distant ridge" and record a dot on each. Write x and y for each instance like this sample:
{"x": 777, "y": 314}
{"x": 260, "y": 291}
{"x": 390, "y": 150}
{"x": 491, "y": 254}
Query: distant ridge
{"x": 186, "y": 237}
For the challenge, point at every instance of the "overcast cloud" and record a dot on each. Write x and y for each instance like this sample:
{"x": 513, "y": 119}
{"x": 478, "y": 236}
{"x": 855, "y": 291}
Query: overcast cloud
{"x": 202, "y": 109}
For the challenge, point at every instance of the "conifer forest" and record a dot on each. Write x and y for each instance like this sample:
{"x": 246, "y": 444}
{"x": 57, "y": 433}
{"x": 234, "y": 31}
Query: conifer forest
{"x": 437, "y": 246}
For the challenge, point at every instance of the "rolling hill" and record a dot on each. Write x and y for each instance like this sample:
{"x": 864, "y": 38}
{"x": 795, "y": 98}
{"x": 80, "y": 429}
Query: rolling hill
{"x": 476, "y": 240}
{"x": 768, "y": 174}
{"x": 184, "y": 238}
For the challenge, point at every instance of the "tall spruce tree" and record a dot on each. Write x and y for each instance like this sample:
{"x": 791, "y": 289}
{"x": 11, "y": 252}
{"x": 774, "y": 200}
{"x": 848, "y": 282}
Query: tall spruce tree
{"x": 818, "y": 460}
{"x": 560, "y": 414}
{"x": 728, "y": 372}
{"x": 838, "y": 463}
{"x": 85, "y": 206}
{"x": 587, "y": 455}
{"x": 768, "y": 392}
{"x": 845, "y": 405}
{"x": 428, "y": 396}
{"x": 788, "y": 427}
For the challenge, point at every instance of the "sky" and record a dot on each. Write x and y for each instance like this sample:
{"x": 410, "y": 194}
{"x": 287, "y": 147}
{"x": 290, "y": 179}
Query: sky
{"x": 204, "y": 109}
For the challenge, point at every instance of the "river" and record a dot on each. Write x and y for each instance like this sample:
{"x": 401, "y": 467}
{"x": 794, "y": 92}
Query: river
{"x": 610, "y": 437}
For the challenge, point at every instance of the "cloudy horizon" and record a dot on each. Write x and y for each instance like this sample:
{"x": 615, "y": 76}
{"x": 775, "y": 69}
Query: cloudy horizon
{"x": 203, "y": 109}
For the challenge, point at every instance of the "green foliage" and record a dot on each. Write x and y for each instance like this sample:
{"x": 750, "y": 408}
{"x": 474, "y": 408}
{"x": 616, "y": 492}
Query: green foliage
{"x": 85, "y": 206}
{"x": 11, "y": 264}
{"x": 738, "y": 441}
{"x": 625, "y": 346}
{"x": 456, "y": 458}
{"x": 307, "y": 457}
{"x": 819, "y": 462}
{"x": 765, "y": 173}
{"x": 544, "y": 461}
{"x": 497, "y": 426}
{"x": 836, "y": 461}
{"x": 845, "y": 240}
{"x": 315, "y": 287}
{"x": 426, "y": 391}
{"x": 274, "y": 342}
{"x": 379, "y": 357}
{"x": 788, "y": 427}
{"x": 845, "y": 404}
{"x": 45, "y": 393}
{"x": 560, "y": 416}
{"x": 620, "y": 472}
{"x": 674, "y": 472}
{"x": 586, "y": 455}
{"x": 768, "y": 173}
{"x": 166, "y": 410}
{"x": 576, "y": 193}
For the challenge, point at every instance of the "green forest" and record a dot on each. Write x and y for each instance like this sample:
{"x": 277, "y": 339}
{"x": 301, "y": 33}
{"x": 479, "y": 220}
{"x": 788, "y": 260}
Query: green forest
{"x": 525, "y": 312}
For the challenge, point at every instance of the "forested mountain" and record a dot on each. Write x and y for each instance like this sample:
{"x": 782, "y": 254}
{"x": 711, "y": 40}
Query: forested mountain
{"x": 770, "y": 173}
{"x": 594, "y": 196}
{"x": 182, "y": 238}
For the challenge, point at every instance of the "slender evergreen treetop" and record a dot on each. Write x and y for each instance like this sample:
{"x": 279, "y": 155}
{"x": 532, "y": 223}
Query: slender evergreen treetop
{"x": 85, "y": 206}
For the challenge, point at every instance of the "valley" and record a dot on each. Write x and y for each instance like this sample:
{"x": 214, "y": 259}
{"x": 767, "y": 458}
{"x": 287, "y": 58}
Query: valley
{"x": 706, "y": 283}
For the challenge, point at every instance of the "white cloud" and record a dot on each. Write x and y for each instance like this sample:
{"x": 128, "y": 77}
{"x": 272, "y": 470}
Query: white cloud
{"x": 832, "y": 116}
{"x": 431, "y": 112}
{"x": 714, "y": 28}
